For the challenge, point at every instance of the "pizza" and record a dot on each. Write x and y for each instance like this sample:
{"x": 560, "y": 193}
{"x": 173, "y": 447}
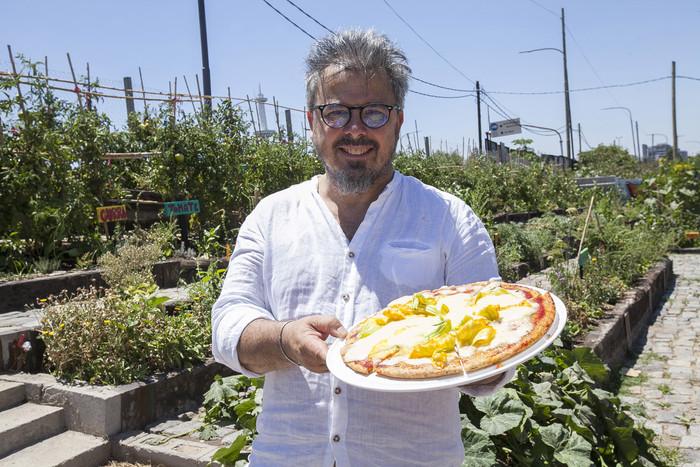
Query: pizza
{"x": 448, "y": 331}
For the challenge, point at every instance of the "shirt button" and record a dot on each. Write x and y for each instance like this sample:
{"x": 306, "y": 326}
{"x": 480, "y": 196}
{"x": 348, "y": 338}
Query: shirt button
{"x": 338, "y": 390}
{"x": 336, "y": 438}
{"x": 346, "y": 297}
{"x": 351, "y": 254}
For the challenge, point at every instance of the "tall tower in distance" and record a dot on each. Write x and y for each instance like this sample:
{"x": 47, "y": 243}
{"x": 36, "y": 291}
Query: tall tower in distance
{"x": 262, "y": 117}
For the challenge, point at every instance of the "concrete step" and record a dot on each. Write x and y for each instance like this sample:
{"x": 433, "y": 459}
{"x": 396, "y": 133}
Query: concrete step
{"x": 11, "y": 394}
{"x": 27, "y": 424}
{"x": 69, "y": 449}
{"x": 156, "y": 449}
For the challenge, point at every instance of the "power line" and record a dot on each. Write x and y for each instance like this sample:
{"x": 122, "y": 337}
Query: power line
{"x": 309, "y": 16}
{"x": 441, "y": 86}
{"x": 544, "y": 8}
{"x": 440, "y": 97}
{"x": 426, "y": 42}
{"x": 593, "y": 88}
{"x": 285, "y": 17}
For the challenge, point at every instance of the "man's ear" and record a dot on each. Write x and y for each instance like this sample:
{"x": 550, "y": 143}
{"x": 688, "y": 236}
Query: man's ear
{"x": 310, "y": 118}
{"x": 399, "y": 122}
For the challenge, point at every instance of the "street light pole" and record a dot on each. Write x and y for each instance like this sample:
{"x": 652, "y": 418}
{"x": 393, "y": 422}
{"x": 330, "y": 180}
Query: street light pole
{"x": 561, "y": 145}
{"x": 629, "y": 112}
{"x": 567, "y": 101}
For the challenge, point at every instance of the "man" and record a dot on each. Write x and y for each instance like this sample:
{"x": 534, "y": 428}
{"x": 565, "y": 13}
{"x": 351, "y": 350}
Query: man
{"x": 316, "y": 258}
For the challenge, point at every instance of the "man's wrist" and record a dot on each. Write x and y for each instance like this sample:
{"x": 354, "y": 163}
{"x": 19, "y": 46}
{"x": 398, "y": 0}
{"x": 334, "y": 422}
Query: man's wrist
{"x": 280, "y": 342}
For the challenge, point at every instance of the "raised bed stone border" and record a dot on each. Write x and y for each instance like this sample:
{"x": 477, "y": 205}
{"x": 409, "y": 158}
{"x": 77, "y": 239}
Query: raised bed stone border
{"x": 108, "y": 410}
{"x": 615, "y": 334}
{"x": 15, "y": 295}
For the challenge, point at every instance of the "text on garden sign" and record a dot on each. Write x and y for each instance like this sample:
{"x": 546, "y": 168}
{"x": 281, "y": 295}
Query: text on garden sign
{"x": 111, "y": 213}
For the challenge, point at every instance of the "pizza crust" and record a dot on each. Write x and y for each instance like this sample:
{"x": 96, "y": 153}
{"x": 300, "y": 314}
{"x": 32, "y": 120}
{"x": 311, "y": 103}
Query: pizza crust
{"x": 541, "y": 320}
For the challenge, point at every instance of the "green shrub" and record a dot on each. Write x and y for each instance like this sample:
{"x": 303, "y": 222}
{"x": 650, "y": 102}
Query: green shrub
{"x": 117, "y": 338}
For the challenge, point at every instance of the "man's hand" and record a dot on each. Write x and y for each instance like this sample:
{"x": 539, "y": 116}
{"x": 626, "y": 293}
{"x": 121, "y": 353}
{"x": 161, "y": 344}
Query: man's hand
{"x": 304, "y": 340}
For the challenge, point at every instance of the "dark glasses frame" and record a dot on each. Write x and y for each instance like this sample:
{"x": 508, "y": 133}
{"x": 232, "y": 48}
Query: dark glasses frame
{"x": 362, "y": 108}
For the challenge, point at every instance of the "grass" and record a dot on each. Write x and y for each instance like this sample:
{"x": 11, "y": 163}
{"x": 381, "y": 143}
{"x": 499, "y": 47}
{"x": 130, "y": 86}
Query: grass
{"x": 665, "y": 389}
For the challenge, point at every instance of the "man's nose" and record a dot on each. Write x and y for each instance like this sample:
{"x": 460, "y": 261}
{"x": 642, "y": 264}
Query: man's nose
{"x": 356, "y": 125}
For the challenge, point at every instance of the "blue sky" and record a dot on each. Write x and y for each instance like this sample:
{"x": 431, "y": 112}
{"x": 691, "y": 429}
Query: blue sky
{"x": 609, "y": 42}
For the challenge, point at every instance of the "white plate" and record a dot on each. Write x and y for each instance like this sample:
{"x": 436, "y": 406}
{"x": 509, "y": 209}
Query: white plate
{"x": 375, "y": 382}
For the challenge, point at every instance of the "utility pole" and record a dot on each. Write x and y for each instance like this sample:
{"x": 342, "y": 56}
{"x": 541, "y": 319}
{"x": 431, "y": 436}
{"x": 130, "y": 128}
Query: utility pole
{"x": 567, "y": 103}
{"x": 639, "y": 149}
{"x": 205, "y": 53}
{"x": 579, "y": 138}
{"x": 478, "y": 113}
{"x": 673, "y": 109}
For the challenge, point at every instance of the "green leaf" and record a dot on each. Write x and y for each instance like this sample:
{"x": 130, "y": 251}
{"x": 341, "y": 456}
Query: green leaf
{"x": 575, "y": 453}
{"x": 478, "y": 447}
{"x": 624, "y": 442}
{"x": 590, "y": 362}
{"x": 207, "y": 432}
{"x": 245, "y": 407}
{"x": 570, "y": 448}
{"x": 230, "y": 454}
{"x": 503, "y": 411}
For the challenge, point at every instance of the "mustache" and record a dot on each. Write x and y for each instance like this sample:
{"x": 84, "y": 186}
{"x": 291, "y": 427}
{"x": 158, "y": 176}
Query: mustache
{"x": 362, "y": 141}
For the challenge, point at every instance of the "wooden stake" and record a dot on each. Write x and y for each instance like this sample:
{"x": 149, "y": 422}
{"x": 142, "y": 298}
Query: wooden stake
{"x": 585, "y": 226}
{"x": 175, "y": 101}
{"x": 199, "y": 92}
{"x": 75, "y": 81}
{"x": 194, "y": 108}
{"x": 143, "y": 91}
{"x": 277, "y": 117}
{"x": 88, "y": 98}
{"x": 14, "y": 72}
{"x": 252, "y": 118}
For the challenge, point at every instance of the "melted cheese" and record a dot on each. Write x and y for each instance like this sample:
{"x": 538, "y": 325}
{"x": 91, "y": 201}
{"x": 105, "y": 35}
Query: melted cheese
{"x": 411, "y": 330}
{"x": 513, "y": 323}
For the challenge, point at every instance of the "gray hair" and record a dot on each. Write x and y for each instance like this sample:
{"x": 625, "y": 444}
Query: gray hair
{"x": 357, "y": 50}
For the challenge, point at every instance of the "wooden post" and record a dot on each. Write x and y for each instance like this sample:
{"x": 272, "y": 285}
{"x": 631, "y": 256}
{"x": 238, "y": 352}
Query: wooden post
{"x": 288, "y": 118}
{"x": 129, "y": 93}
{"x": 75, "y": 81}
{"x": 88, "y": 96}
{"x": 14, "y": 72}
{"x": 426, "y": 141}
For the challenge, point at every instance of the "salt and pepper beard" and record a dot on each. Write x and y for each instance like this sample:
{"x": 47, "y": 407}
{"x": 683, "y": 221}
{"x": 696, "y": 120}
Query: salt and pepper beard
{"x": 357, "y": 178}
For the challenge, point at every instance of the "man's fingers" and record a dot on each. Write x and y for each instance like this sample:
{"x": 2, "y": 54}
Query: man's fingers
{"x": 329, "y": 325}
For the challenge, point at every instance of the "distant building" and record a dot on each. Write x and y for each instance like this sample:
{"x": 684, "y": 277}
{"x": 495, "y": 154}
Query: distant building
{"x": 653, "y": 153}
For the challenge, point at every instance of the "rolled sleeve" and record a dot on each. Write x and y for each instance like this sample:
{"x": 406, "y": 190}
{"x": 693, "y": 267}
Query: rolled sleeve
{"x": 481, "y": 390}
{"x": 471, "y": 256}
{"x": 242, "y": 298}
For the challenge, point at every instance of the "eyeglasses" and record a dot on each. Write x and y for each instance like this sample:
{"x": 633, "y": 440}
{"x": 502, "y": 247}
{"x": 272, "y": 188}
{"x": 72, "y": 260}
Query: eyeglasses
{"x": 372, "y": 115}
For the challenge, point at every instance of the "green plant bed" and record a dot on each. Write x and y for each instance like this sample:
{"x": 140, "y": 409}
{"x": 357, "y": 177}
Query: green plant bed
{"x": 557, "y": 411}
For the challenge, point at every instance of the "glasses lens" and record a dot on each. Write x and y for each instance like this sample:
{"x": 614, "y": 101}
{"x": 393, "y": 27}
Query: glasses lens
{"x": 375, "y": 115}
{"x": 336, "y": 115}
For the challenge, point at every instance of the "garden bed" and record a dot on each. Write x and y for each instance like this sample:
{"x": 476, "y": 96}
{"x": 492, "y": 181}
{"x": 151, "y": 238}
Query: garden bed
{"x": 614, "y": 335}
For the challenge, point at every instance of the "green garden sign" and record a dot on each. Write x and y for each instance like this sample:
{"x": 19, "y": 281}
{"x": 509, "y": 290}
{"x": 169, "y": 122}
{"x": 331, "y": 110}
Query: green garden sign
{"x": 181, "y": 208}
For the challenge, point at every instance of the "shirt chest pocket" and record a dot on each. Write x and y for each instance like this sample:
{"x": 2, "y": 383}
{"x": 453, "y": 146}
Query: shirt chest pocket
{"x": 411, "y": 266}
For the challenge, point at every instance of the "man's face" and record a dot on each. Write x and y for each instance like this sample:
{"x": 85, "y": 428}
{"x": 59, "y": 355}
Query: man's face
{"x": 355, "y": 157}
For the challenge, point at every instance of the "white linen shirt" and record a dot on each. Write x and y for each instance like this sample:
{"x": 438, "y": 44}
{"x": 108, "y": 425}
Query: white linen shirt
{"x": 292, "y": 260}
